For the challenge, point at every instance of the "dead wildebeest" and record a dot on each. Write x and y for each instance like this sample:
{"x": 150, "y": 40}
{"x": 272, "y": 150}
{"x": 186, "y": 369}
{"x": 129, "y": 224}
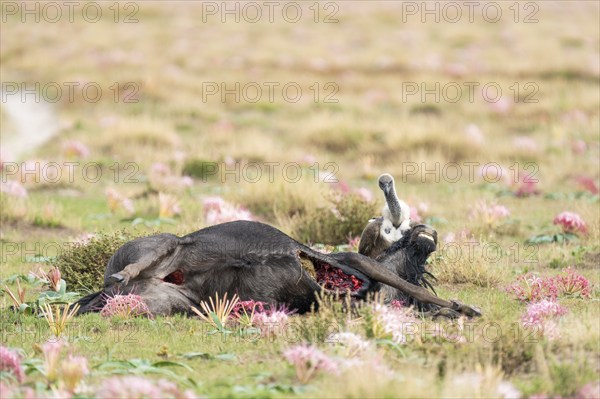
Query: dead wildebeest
{"x": 259, "y": 262}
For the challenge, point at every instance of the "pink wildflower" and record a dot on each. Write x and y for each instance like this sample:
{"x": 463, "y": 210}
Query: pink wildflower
{"x": 459, "y": 236}
{"x": 340, "y": 186}
{"x": 160, "y": 169}
{"x": 308, "y": 361}
{"x": 489, "y": 213}
{"x": 502, "y": 106}
{"x": 216, "y": 211}
{"x": 125, "y": 306}
{"x": 186, "y": 181}
{"x": 353, "y": 343}
{"x": 75, "y": 149}
{"x": 507, "y": 390}
{"x": 117, "y": 201}
{"x": 308, "y": 159}
{"x": 51, "y": 351}
{"x": 353, "y": 243}
{"x": 398, "y": 304}
{"x": 169, "y": 206}
{"x": 474, "y": 133}
{"x": 213, "y": 204}
{"x": 414, "y": 214}
{"x": 590, "y": 390}
{"x": 365, "y": 194}
{"x": 393, "y": 321}
{"x": 250, "y": 306}
{"x": 588, "y": 184}
{"x": 162, "y": 177}
{"x": 578, "y": 147}
{"x": 244, "y": 311}
{"x": 575, "y": 116}
{"x": 136, "y": 387}
{"x": 494, "y": 173}
{"x": 54, "y": 278}
{"x": 13, "y": 188}
{"x": 571, "y": 283}
{"x": 73, "y": 369}
{"x": 544, "y": 315}
{"x": 5, "y": 157}
{"x": 528, "y": 186}
{"x": 423, "y": 207}
{"x": 10, "y": 361}
{"x": 271, "y": 323}
{"x": 570, "y": 222}
{"x": 532, "y": 288}
{"x": 456, "y": 69}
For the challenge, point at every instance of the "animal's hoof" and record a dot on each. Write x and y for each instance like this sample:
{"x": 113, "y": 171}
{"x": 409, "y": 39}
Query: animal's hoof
{"x": 447, "y": 313}
{"x": 464, "y": 309}
{"x": 117, "y": 278}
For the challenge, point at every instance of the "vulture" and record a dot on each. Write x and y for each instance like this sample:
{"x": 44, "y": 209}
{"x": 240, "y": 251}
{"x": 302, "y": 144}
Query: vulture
{"x": 380, "y": 233}
{"x": 258, "y": 262}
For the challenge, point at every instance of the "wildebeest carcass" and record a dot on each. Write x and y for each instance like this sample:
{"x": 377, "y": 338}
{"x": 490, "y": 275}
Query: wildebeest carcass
{"x": 259, "y": 262}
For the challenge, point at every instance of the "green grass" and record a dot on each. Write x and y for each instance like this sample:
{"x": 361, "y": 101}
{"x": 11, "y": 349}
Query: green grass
{"x": 370, "y": 55}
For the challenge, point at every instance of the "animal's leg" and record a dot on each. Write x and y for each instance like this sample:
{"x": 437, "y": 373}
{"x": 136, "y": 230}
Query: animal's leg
{"x": 132, "y": 270}
{"x": 376, "y": 272}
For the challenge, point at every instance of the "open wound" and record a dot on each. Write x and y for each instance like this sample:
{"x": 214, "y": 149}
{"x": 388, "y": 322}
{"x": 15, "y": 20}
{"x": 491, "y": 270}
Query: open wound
{"x": 175, "y": 278}
{"x": 328, "y": 276}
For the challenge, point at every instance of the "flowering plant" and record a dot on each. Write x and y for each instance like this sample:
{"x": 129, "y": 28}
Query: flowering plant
{"x": 571, "y": 225}
{"x": 309, "y": 361}
{"x": 10, "y": 364}
{"x": 125, "y": 306}
{"x": 543, "y": 316}
{"x": 532, "y": 288}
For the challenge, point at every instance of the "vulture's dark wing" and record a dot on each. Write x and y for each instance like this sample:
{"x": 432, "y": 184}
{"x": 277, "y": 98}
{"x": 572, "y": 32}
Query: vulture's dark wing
{"x": 369, "y": 239}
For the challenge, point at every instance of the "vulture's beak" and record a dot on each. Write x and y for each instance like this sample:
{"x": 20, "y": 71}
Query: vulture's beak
{"x": 387, "y": 188}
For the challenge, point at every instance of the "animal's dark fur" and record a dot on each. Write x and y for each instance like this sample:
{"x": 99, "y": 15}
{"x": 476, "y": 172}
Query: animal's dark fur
{"x": 251, "y": 259}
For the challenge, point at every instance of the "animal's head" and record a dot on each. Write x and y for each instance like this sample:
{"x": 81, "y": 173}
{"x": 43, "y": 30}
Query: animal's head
{"x": 408, "y": 256}
{"x": 386, "y": 183}
{"x": 422, "y": 238}
{"x": 418, "y": 242}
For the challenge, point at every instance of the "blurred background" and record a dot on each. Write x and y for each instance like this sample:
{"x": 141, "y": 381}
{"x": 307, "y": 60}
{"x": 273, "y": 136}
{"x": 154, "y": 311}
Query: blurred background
{"x": 172, "y": 95}
{"x": 120, "y": 119}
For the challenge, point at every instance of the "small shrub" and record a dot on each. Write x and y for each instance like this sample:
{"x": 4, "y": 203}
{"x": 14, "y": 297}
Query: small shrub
{"x": 83, "y": 264}
{"x": 201, "y": 169}
{"x": 346, "y": 217}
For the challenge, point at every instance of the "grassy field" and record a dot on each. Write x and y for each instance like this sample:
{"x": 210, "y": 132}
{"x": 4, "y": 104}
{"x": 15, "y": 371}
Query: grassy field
{"x": 490, "y": 127}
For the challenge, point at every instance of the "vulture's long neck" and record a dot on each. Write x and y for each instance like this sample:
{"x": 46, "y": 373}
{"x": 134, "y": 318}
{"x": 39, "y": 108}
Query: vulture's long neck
{"x": 393, "y": 203}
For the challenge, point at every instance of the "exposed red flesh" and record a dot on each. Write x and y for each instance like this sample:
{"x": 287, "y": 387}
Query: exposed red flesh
{"x": 334, "y": 279}
{"x": 175, "y": 278}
